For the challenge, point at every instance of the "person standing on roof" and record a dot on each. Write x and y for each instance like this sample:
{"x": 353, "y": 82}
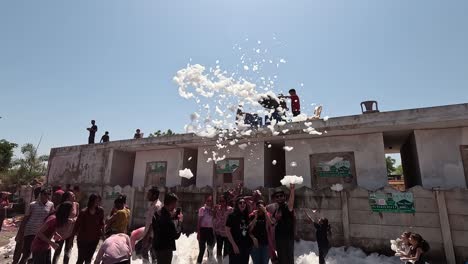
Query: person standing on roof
{"x": 295, "y": 103}
{"x": 92, "y": 132}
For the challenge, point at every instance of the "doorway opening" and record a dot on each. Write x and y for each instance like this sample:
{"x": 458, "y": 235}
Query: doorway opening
{"x": 401, "y": 158}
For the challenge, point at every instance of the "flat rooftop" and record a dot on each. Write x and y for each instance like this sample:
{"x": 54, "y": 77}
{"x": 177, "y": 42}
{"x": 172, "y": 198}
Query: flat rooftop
{"x": 447, "y": 116}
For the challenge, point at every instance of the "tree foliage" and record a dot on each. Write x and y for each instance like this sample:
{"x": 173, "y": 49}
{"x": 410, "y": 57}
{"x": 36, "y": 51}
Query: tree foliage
{"x": 6, "y": 154}
{"x": 390, "y": 165}
{"x": 160, "y": 133}
{"x": 391, "y": 168}
{"x": 27, "y": 168}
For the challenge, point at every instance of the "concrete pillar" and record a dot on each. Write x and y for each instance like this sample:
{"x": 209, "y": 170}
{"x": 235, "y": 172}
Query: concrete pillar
{"x": 345, "y": 216}
{"x": 445, "y": 227}
{"x": 108, "y": 170}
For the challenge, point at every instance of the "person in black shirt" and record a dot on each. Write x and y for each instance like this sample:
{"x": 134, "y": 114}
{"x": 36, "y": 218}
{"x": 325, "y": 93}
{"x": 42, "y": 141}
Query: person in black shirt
{"x": 322, "y": 231}
{"x": 284, "y": 229}
{"x": 92, "y": 132}
{"x": 167, "y": 226}
{"x": 105, "y": 137}
{"x": 137, "y": 134}
{"x": 259, "y": 221}
{"x": 237, "y": 231}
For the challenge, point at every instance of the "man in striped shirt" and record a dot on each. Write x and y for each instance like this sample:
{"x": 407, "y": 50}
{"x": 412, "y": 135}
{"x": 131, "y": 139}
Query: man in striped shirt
{"x": 33, "y": 220}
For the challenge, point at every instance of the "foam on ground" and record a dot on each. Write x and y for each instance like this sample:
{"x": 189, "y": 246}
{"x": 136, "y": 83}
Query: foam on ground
{"x": 305, "y": 252}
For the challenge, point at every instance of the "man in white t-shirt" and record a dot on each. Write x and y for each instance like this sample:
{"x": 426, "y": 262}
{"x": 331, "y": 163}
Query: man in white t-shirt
{"x": 154, "y": 207}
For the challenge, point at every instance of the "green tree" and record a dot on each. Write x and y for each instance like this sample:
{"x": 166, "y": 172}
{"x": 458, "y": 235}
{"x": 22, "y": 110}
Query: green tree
{"x": 6, "y": 154}
{"x": 29, "y": 167}
{"x": 398, "y": 170}
{"x": 390, "y": 165}
{"x": 161, "y": 134}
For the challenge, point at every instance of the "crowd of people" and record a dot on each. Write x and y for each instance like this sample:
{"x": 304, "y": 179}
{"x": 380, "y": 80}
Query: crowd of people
{"x": 54, "y": 219}
{"x": 241, "y": 226}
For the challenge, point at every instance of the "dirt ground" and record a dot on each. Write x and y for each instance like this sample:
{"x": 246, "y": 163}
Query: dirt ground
{"x": 8, "y": 231}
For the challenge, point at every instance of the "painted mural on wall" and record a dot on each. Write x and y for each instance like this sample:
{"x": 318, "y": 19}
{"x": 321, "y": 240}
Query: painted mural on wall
{"x": 156, "y": 173}
{"x": 392, "y": 202}
{"x": 332, "y": 168}
{"x": 227, "y": 166}
{"x": 229, "y": 171}
{"x": 337, "y": 167}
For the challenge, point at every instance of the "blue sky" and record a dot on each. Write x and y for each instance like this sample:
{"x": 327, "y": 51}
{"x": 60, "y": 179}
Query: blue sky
{"x": 63, "y": 63}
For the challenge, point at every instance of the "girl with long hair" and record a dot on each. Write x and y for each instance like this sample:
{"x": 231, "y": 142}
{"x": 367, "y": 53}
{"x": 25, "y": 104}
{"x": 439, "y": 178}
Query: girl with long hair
{"x": 259, "y": 221}
{"x": 237, "y": 231}
{"x": 89, "y": 229}
{"x": 205, "y": 233}
{"x": 42, "y": 243}
{"x": 417, "y": 251}
{"x": 222, "y": 211}
{"x": 66, "y": 231}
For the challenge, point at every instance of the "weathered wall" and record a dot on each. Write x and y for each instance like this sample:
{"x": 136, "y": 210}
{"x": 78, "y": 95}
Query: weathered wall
{"x": 368, "y": 151}
{"x": 190, "y": 162}
{"x": 173, "y": 157}
{"x": 253, "y": 156}
{"x": 440, "y": 157}
{"x": 79, "y": 165}
{"x": 410, "y": 162}
{"x": 327, "y": 204}
{"x": 457, "y": 207}
{"x": 122, "y": 168}
{"x": 373, "y": 231}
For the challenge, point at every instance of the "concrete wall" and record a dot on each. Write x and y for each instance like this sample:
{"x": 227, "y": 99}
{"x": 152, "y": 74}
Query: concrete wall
{"x": 457, "y": 208}
{"x": 440, "y": 157}
{"x": 173, "y": 157}
{"x": 369, "y": 155}
{"x": 84, "y": 165}
{"x": 410, "y": 162}
{"x": 122, "y": 168}
{"x": 190, "y": 162}
{"x": 327, "y": 204}
{"x": 373, "y": 231}
{"x": 253, "y": 156}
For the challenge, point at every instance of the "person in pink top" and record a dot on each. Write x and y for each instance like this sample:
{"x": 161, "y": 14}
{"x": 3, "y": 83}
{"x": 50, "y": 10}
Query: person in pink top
{"x": 66, "y": 231}
{"x": 205, "y": 231}
{"x": 116, "y": 249}
{"x": 222, "y": 210}
{"x": 42, "y": 243}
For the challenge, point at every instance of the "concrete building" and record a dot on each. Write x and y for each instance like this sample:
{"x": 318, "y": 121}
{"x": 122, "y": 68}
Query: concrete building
{"x": 432, "y": 142}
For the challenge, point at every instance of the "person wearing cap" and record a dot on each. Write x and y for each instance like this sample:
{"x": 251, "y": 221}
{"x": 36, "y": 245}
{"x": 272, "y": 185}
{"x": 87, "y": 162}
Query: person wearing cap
{"x": 284, "y": 229}
{"x": 32, "y": 221}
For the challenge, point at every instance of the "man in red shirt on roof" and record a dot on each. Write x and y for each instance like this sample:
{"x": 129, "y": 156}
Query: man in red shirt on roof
{"x": 295, "y": 103}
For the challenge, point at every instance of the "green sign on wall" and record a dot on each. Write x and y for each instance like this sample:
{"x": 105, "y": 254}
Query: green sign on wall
{"x": 392, "y": 202}
{"x": 227, "y": 166}
{"x": 338, "y": 169}
{"x": 156, "y": 167}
